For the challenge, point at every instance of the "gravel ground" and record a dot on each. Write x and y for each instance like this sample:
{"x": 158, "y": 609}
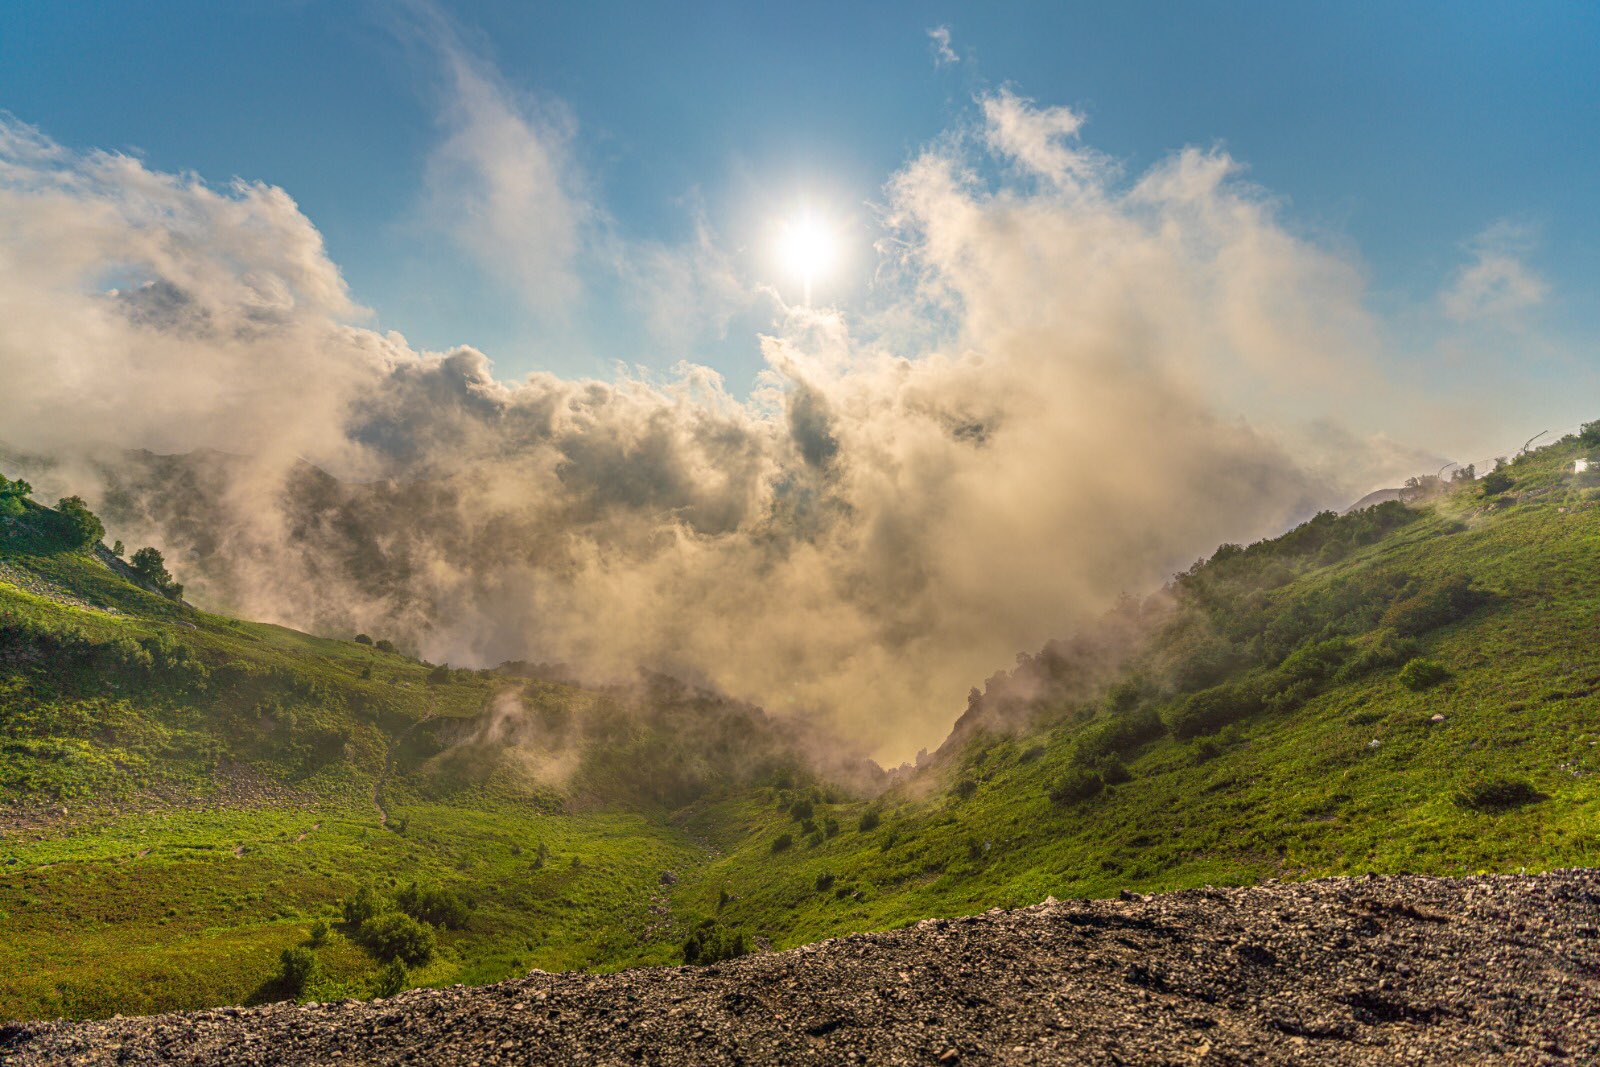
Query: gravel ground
{"x": 1490, "y": 969}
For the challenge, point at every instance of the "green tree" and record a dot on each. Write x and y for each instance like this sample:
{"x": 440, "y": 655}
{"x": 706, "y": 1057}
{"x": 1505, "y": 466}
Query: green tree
{"x": 395, "y": 935}
{"x": 361, "y": 907}
{"x": 711, "y": 943}
{"x": 391, "y": 980}
{"x": 149, "y": 565}
{"x": 297, "y": 968}
{"x": 80, "y": 526}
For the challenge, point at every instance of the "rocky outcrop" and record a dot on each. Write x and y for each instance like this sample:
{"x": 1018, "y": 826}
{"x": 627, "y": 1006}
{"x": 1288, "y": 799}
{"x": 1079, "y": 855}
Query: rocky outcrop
{"x": 1489, "y": 969}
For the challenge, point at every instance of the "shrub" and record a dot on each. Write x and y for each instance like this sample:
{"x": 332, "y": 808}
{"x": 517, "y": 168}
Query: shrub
{"x": 363, "y": 639}
{"x": 1316, "y": 661}
{"x": 395, "y": 935}
{"x": 965, "y": 788}
{"x": 1431, "y": 607}
{"x": 391, "y": 980}
{"x": 1497, "y": 794}
{"x": 361, "y": 907}
{"x": 710, "y": 943}
{"x": 870, "y": 821}
{"x": 782, "y": 842}
{"x": 386, "y": 645}
{"x": 1114, "y": 772}
{"x": 441, "y": 907}
{"x": 319, "y": 933}
{"x": 1421, "y": 673}
{"x": 1077, "y": 784}
{"x": 824, "y": 882}
{"x": 297, "y": 967}
{"x": 1385, "y": 650}
{"x": 1118, "y": 734}
{"x": 1496, "y": 482}
{"x": 1210, "y": 710}
{"x": 802, "y": 810}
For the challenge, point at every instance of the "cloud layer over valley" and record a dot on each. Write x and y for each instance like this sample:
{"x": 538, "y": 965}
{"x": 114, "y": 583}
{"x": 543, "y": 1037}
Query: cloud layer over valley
{"x": 1068, "y": 382}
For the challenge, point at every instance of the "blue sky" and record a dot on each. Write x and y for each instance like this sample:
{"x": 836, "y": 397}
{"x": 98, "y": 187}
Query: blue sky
{"x": 1400, "y": 132}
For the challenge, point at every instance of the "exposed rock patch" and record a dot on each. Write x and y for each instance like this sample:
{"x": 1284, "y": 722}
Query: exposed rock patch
{"x": 1502, "y": 969}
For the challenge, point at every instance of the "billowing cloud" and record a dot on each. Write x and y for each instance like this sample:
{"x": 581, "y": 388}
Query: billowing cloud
{"x": 1496, "y": 284}
{"x": 1070, "y": 385}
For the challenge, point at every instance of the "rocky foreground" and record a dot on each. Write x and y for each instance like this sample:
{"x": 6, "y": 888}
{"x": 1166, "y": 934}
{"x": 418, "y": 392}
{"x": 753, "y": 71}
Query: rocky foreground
{"x": 1492, "y": 969}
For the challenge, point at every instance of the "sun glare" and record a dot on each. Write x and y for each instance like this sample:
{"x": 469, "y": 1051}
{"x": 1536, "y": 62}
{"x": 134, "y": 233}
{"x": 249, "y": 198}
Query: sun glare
{"x": 808, "y": 249}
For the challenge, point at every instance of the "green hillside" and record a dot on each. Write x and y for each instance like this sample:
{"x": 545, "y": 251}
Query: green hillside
{"x": 1414, "y": 687}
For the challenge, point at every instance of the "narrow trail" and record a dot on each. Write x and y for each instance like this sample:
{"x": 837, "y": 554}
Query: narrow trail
{"x": 388, "y": 770}
{"x": 389, "y": 760}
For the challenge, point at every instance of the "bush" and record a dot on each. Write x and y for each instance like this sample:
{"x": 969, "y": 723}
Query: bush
{"x": 386, "y": 645}
{"x": 1118, "y": 735}
{"x": 710, "y": 943}
{"x": 1385, "y": 650}
{"x": 824, "y": 882}
{"x": 1497, "y": 794}
{"x": 1421, "y": 673}
{"x": 965, "y": 788}
{"x": 1114, "y": 772}
{"x": 319, "y": 933}
{"x": 1496, "y": 482}
{"x": 1077, "y": 784}
{"x": 1433, "y": 606}
{"x": 1210, "y": 710}
{"x": 297, "y": 967}
{"x": 782, "y": 842}
{"x": 397, "y": 936}
{"x": 802, "y": 810}
{"x": 363, "y": 639}
{"x": 870, "y": 821}
{"x": 391, "y": 980}
{"x": 1316, "y": 661}
{"x": 441, "y": 907}
{"x": 80, "y": 527}
{"x": 361, "y": 907}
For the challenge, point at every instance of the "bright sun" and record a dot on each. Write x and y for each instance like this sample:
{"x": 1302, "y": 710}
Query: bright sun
{"x": 808, "y": 250}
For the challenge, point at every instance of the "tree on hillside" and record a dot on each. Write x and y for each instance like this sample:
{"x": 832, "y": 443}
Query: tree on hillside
{"x": 80, "y": 526}
{"x": 12, "y": 494}
{"x": 149, "y": 565}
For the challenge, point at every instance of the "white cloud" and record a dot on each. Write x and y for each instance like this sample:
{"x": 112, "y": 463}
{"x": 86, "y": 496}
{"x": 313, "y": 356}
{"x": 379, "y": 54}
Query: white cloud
{"x": 1496, "y": 284}
{"x": 1042, "y": 141}
{"x": 939, "y": 41}
{"x": 504, "y": 185}
{"x": 882, "y": 524}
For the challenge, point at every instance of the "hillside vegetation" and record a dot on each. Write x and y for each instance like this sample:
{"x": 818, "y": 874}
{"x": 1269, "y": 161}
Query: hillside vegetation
{"x": 199, "y": 810}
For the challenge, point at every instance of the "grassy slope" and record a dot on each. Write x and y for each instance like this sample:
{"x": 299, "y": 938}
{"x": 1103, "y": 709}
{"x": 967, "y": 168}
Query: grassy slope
{"x": 138, "y": 906}
{"x": 1281, "y": 795}
{"x": 165, "y": 838}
